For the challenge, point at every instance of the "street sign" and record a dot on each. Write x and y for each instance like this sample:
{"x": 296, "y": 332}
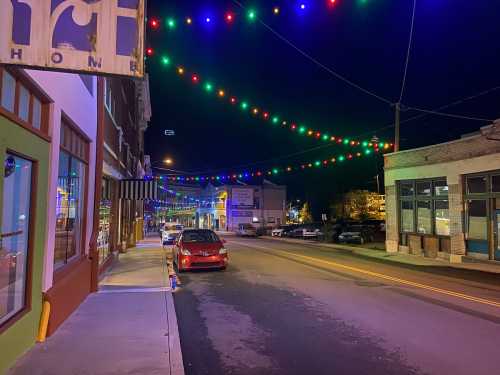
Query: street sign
{"x": 98, "y": 36}
{"x": 169, "y": 133}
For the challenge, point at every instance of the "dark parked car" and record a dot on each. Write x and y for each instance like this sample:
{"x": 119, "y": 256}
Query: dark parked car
{"x": 357, "y": 234}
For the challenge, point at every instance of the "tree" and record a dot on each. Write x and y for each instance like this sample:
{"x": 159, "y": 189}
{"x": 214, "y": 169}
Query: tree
{"x": 305, "y": 215}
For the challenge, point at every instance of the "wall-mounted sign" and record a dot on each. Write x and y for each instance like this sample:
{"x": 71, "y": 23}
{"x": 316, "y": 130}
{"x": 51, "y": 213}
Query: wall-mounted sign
{"x": 242, "y": 198}
{"x": 169, "y": 133}
{"x": 93, "y": 36}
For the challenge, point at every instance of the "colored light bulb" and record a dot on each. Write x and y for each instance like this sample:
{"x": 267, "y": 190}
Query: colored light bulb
{"x": 171, "y": 23}
{"x": 229, "y": 17}
{"x": 302, "y": 129}
{"x": 208, "y": 87}
{"x": 233, "y": 100}
{"x": 255, "y": 111}
{"x": 208, "y": 20}
{"x": 149, "y": 51}
{"x": 244, "y": 105}
{"x": 189, "y": 20}
{"x": 165, "y": 60}
{"x": 275, "y": 120}
{"x": 154, "y": 23}
{"x": 302, "y": 6}
{"x": 317, "y": 163}
{"x": 221, "y": 93}
{"x": 252, "y": 15}
{"x": 325, "y": 137}
{"x": 195, "y": 78}
{"x": 276, "y": 10}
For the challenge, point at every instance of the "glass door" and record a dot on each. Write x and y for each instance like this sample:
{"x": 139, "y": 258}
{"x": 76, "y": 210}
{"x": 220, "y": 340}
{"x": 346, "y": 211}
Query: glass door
{"x": 14, "y": 235}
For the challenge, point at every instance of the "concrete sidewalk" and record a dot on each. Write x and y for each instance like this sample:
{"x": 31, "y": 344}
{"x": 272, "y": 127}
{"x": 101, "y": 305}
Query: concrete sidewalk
{"x": 128, "y": 327}
{"x": 394, "y": 257}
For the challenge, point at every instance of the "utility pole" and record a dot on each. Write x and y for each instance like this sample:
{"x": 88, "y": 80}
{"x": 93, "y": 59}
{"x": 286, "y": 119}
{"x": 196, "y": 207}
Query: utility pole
{"x": 397, "y": 125}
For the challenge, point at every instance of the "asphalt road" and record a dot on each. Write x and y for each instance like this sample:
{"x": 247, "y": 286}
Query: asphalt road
{"x": 285, "y": 308}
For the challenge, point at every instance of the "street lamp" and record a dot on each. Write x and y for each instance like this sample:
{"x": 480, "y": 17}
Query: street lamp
{"x": 168, "y": 161}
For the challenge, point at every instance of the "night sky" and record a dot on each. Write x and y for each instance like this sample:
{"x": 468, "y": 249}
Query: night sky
{"x": 455, "y": 54}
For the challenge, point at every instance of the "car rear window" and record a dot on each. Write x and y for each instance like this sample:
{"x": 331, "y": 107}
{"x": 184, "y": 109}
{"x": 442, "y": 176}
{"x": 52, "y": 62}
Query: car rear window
{"x": 205, "y": 236}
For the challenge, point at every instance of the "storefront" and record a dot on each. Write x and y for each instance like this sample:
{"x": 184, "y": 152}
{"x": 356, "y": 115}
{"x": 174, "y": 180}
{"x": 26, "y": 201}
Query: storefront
{"x": 443, "y": 201}
{"x": 23, "y": 206}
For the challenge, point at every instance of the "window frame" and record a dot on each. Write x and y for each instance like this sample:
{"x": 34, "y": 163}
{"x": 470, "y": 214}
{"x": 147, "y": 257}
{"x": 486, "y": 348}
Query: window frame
{"x": 34, "y": 92}
{"x": 31, "y": 242}
{"x": 74, "y": 134}
{"x": 416, "y": 198}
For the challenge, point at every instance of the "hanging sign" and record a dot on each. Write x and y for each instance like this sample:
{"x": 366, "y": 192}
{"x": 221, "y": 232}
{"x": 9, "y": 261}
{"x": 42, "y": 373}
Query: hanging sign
{"x": 84, "y": 36}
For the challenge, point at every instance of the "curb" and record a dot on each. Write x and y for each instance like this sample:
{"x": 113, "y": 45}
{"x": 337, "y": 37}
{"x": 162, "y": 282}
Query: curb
{"x": 174, "y": 342}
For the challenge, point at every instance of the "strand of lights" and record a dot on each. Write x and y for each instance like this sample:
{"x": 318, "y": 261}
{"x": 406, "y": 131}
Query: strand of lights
{"x": 269, "y": 117}
{"x": 250, "y": 174}
{"x": 229, "y": 17}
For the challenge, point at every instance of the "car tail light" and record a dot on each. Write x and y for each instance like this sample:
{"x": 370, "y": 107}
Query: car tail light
{"x": 185, "y": 252}
{"x": 222, "y": 251}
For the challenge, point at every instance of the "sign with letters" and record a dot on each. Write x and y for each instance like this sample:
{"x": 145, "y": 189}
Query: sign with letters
{"x": 242, "y": 198}
{"x": 84, "y": 36}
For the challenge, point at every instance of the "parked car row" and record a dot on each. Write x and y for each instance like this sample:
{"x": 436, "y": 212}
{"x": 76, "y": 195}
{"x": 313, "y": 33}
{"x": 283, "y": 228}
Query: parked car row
{"x": 344, "y": 232}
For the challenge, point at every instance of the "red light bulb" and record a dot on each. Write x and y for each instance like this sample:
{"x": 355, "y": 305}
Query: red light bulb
{"x": 195, "y": 78}
{"x": 149, "y": 51}
{"x": 233, "y": 100}
{"x": 229, "y": 17}
{"x": 154, "y": 23}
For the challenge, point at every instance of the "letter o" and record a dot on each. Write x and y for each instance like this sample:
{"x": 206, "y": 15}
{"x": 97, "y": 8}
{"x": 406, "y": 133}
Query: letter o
{"x": 57, "y": 57}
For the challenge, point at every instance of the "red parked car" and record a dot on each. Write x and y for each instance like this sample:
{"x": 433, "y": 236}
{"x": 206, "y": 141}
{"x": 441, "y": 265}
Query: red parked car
{"x": 199, "y": 249}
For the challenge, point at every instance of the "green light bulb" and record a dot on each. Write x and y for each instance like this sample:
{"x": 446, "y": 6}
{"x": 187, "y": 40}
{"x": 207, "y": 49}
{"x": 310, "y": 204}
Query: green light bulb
{"x": 317, "y": 163}
{"x": 302, "y": 129}
{"x": 252, "y": 15}
{"x": 165, "y": 60}
{"x": 275, "y": 120}
{"x": 346, "y": 141}
{"x": 171, "y": 23}
{"x": 244, "y": 105}
{"x": 365, "y": 144}
{"x": 275, "y": 171}
{"x": 341, "y": 158}
{"x": 325, "y": 137}
{"x": 209, "y": 87}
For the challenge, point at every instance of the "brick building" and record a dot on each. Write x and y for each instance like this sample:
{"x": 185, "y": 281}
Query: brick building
{"x": 443, "y": 201}
{"x": 127, "y": 113}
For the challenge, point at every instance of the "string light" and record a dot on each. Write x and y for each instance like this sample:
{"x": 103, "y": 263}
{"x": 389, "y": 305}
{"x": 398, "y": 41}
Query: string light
{"x": 252, "y": 15}
{"x": 248, "y": 174}
{"x": 276, "y": 10}
{"x": 189, "y": 20}
{"x": 266, "y": 115}
{"x": 155, "y": 24}
{"x": 229, "y": 17}
{"x": 171, "y": 23}
{"x": 149, "y": 51}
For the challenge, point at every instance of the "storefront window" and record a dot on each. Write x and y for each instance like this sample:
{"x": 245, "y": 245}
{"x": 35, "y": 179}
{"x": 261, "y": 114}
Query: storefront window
{"x": 424, "y": 206}
{"x": 407, "y": 217}
{"x": 440, "y": 188}
{"x": 8, "y": 91}
{"x": 495, "y": 184}
{"x": 476, "y": 185}
{"x": 103, "y": 240}
{"x": 14, "y": 235}
{"x": 406, "y": 189}
{"x": 24, "y": 103}
{"x": 424, "y": 188}
{"x": 69, "y": 209}
{"x": 442, "y": 217}
{"x": 477, "y": 223}
{"x": 424, "y": 215}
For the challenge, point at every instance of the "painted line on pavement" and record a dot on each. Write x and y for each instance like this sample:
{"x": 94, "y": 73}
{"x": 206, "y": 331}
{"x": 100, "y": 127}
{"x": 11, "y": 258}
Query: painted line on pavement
{"x": 381, "y": 276}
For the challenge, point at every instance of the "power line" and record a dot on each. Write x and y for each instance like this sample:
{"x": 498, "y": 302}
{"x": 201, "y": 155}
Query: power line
{"x": 452, "y": 104}
{"x": 318, "y": 63}
{"x": 409, "y": 51}
{"x": 450, "y": 115}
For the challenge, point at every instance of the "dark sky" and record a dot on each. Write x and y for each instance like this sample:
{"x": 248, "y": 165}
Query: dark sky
{"x": 456, "y": 50}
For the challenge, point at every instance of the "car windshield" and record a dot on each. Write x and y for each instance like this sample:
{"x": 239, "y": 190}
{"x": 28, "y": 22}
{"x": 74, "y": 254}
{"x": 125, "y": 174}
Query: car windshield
{"x": 205, "y": 236}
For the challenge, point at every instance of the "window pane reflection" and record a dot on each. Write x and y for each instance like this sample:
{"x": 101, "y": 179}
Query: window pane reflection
{"x": 14, "y": 235}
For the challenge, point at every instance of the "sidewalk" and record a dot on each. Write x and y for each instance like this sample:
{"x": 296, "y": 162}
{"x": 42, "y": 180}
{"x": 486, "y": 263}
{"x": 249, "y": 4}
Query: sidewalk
{"x": 394, "y": 257}
{"x": 128, "y": 327}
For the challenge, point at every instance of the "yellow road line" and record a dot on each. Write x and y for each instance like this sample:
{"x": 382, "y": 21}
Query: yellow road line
{"x": 385, "y": 277}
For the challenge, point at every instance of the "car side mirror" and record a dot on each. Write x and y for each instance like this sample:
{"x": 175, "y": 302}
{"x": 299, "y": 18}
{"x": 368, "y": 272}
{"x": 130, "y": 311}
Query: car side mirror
{"x": 224, "y": 241}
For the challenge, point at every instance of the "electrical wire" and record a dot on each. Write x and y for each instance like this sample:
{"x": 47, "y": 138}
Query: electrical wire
{"x": 315, "y": 61}
{"x": 278, "y": 158}
{"x": 446, "y": 106}
{"x": 408, "y": 51}
{"x": 450, "y": 115}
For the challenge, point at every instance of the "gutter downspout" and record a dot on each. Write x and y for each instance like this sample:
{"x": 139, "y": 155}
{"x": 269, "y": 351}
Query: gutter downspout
{"x": 93, "y": 251}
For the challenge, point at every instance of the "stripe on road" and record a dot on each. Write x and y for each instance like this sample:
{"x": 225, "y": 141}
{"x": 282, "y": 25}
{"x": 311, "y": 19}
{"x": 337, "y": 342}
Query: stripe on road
{"x": 380, "y": 276}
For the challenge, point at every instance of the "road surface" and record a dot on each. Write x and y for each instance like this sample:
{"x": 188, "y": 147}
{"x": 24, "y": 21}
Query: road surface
{"x": 284, "y": 308}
